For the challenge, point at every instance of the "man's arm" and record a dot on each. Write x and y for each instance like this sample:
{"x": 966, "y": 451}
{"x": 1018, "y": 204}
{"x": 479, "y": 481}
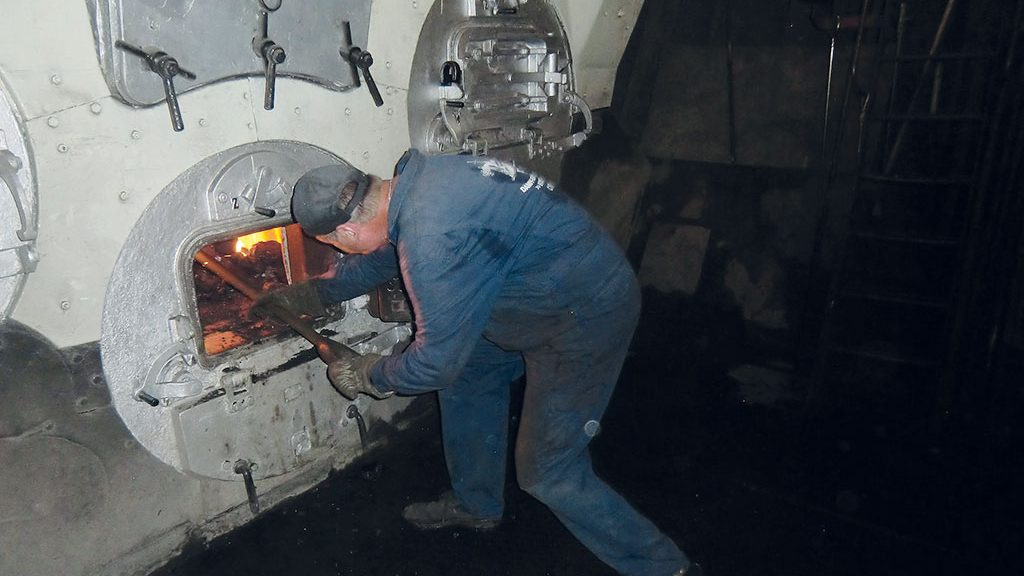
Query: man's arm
{"x": 356, "y": 275}
{"x": 453, "y": 280}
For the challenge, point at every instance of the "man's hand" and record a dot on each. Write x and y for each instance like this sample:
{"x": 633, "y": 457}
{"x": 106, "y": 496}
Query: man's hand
{"x": 350, "y": 375}
{"x": 301, "y": 299}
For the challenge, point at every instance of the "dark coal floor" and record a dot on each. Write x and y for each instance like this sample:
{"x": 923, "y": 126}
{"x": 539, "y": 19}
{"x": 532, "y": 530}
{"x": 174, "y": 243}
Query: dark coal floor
{"x": 744, "y": 489}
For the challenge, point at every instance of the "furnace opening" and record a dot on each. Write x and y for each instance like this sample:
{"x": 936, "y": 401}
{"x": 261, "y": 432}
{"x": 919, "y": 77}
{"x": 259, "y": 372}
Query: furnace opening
{"x": 257, "y": 262}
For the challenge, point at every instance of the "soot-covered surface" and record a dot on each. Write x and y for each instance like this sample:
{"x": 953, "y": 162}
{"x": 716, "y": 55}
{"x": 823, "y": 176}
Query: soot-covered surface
{"x": 744, "y": 489}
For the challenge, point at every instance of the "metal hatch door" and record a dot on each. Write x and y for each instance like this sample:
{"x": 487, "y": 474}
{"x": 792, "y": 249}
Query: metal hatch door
{"x": 490, "y": 74}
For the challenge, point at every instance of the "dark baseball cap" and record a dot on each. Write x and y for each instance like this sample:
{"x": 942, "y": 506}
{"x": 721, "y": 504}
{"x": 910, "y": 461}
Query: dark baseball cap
{"x": 317, "y": 204}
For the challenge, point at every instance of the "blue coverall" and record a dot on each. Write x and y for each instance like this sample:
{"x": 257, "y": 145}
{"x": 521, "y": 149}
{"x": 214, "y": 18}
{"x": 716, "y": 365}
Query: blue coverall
{"x": 506, "y": 273}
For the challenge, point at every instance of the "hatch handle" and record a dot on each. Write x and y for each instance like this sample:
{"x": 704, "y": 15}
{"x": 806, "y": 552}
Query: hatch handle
{"x": 272, "y": 54}
{"x": 244, "y": 467}
{"x": 360, "y": 60}
{"x": 166, "y": 67}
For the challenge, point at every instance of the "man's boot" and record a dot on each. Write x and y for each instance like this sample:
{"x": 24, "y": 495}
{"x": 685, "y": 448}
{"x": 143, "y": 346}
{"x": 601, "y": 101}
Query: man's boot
{"x": 445, "y": 511}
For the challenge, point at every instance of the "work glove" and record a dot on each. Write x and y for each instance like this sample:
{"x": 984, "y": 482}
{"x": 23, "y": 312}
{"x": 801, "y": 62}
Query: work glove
{"x": 302, "y": 299}
{"x": 350, "y": 375}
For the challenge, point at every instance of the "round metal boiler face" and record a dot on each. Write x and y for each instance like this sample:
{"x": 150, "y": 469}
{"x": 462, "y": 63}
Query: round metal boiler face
{"x": 268, "y": 403}
{"x": 490, "y": 75}
{"x": 18, "y": 204}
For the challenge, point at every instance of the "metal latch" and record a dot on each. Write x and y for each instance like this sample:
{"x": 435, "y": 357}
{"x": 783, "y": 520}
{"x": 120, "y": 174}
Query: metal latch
{"x": 166, "y": 67}
{"x": 244, "y": 468}
{"x": 9, "y": 166}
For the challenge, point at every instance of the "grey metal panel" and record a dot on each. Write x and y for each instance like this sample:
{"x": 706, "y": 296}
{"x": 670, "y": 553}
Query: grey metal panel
{"x": 213, "y": 39}
{"x": 18, "y": 204}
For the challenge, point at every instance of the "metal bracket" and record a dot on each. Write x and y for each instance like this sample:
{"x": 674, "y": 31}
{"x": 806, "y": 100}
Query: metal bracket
{"x": 237, "y": 395}
{"x": 18, "y": 260}
{"x": 170, "y": 376}
{"x": 9, "y": 166}
{"x": 384, "y": 340}
{"x": 249, "y": 184}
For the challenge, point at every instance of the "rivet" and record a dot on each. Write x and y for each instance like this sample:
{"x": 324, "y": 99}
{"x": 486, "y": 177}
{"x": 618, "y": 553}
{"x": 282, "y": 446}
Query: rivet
{"x": 95, "y": 107}
{"x": 627, "y": 27}
{"x": 62, "y": 148}
{"x": 152, "y": 24}
{"x": 366, "y": 155}
{"x": 136, "y": 134}
{"x": 298, "y": 111}
{"x": 249, "y": 125}
{"x": 348, "y": 111}
{"x": 56, "y": 80}
{"x": 391, "y": 111}
{"x": 202, "y": 121}
{"x": 123, "y": 196}
{"x": 245, "y": 95}
{"x": 53, "y": 122}
{"x": 621, "y": 13}
{"x": 387, "y": 64}
{"x": 65, "y": 304}
{"x": 222, "y": 197}
{"x": 415, "y": 5}
{"x": 591, "y": 428}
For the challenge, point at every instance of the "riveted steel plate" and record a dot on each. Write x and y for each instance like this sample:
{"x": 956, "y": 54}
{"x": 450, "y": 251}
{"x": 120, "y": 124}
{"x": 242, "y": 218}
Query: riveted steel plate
{"x": 214, "y": 40}
{"x": 18, "y": 204}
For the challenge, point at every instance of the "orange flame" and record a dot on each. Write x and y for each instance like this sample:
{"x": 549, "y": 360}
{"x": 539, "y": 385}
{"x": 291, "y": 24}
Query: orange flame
{"x": 245, "y": 243}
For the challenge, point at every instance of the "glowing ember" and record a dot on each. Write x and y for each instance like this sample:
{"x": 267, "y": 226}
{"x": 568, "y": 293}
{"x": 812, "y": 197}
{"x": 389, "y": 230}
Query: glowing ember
{"x": 245, "y": 243}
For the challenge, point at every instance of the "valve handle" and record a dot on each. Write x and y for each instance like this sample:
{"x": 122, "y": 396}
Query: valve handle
{"x": 166, "y": 67}
{"x": 360, "y": 60}
{"x": 272, "y": 54}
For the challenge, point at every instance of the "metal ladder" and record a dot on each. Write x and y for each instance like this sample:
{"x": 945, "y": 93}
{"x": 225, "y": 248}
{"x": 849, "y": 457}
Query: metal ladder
{"x": 888, "y": 321}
